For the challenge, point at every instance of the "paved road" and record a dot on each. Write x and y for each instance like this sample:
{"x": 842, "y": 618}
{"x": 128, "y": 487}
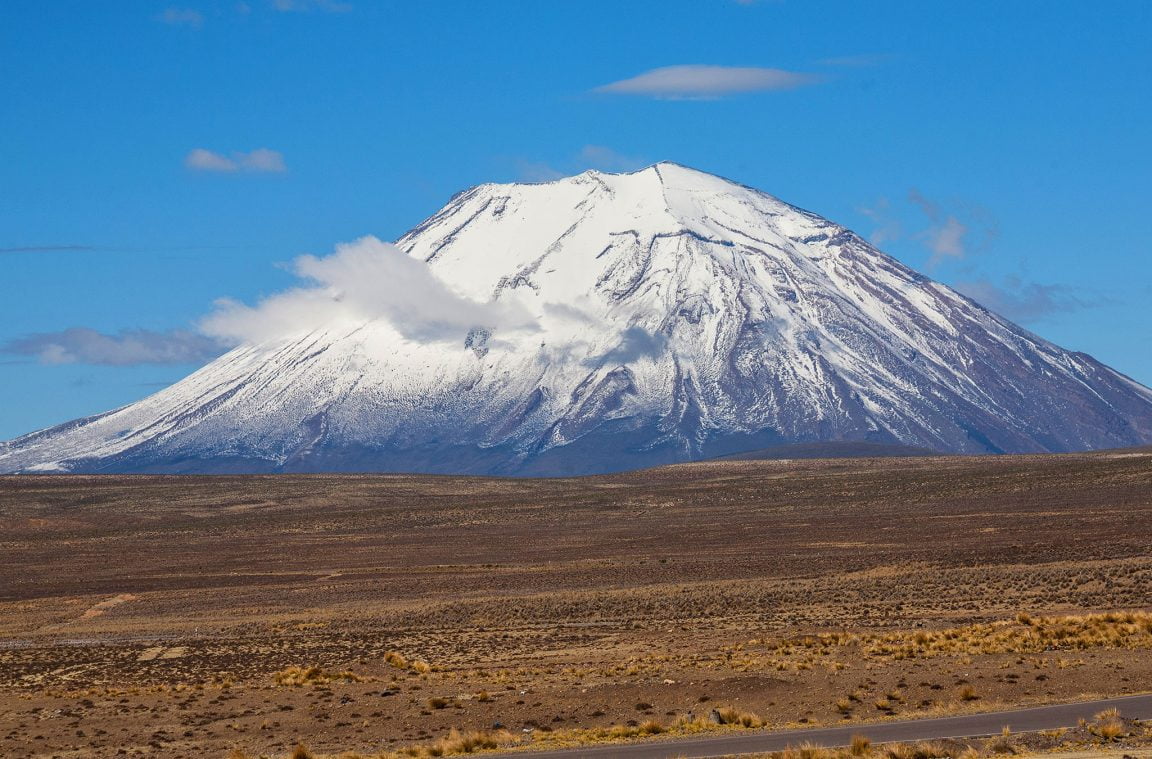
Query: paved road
{"x": 963, "y": 726}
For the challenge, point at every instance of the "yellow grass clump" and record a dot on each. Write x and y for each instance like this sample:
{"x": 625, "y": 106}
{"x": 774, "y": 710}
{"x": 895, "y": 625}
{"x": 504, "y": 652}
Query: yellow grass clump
{"x": 297, "y": 676}
{"x": 1023, "y": 635}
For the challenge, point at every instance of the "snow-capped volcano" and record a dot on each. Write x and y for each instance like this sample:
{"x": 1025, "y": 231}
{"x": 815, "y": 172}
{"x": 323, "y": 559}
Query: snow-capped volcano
{"x": 610, "y": 321}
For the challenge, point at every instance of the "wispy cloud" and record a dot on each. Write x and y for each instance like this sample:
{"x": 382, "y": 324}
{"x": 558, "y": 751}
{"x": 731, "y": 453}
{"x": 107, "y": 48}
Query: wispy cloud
{"x": 1027, "y": 301}
{"x": 947, "y": 239}
{"x": 362, "y": 280}
{"x": 298, "y": 6}
{"x": 537, "y": 171}
{"x": 607, "y": 159}
{"x": 635, "y": 343}
{"x": 182, "y": 17}
{"x": 589, "y": 157}
{"x": 945, "y": 236}
{"x": 888, "y": 228}
{"x": 707, "y": 82}
{"x": 951, "y": 234}
{"x": 81, "y": 345}
{"x": 260, "y": 160}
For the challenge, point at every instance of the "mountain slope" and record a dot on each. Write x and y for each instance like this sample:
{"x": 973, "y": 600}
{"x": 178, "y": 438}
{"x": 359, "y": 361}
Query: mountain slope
{"x": 669, "y": 315}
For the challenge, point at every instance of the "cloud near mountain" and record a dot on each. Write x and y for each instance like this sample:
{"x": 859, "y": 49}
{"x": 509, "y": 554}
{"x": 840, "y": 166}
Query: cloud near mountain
{"x": 362, "y": 281}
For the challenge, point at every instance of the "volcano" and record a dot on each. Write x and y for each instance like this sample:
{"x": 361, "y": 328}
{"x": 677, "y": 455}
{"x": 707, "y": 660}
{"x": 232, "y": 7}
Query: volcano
{"x": 664, "y": 315}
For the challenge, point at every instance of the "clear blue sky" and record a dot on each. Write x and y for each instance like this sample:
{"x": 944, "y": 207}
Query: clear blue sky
{"x": 156, "y": 156}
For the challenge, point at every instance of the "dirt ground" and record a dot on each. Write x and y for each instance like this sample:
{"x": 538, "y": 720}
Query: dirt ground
{"x": 163, "y": 616}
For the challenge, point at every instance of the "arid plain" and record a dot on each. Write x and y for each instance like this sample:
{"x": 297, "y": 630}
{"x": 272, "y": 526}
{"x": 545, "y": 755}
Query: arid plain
{"x": 191, "y": 616}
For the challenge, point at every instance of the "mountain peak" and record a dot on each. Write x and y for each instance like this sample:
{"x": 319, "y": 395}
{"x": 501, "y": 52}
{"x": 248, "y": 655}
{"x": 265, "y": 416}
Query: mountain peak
{"x": 661, "y": 173}
{"x": 660, "y": 315}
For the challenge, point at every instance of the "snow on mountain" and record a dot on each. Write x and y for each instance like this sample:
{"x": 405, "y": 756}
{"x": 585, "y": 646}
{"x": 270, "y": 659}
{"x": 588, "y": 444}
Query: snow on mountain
{"x": 610, "y": 321}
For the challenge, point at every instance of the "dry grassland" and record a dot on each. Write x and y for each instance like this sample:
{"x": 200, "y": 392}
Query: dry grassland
{"x": 190, "y": 617}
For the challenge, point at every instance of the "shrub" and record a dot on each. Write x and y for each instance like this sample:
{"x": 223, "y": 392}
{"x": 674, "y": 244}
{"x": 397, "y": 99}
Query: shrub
{"x": 651, "y": 727}
{"x": 859, "y": 746}
{"x": 468, "y": 743}
{"x": 1108, "y": 725}
{"x": 296, "y": 676}
{"x": 1002, "y": 744}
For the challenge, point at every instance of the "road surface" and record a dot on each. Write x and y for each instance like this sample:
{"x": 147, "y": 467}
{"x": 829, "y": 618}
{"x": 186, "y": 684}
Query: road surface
{"x": 962, "y": 726}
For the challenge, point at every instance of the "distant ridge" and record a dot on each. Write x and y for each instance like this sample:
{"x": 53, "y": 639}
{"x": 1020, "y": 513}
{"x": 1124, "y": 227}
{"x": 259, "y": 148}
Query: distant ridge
{"x": 831, "y": 450}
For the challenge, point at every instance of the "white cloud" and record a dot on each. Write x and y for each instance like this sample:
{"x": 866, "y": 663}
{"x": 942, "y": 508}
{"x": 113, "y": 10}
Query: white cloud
{"x": 81, "y": 345}
{"x": 182, "y": 17}
{"x": 363, "y": 280}
{"x": 205, "y": 160}
{"x": 703, "y": 81}
{"x": 260, "y": 160}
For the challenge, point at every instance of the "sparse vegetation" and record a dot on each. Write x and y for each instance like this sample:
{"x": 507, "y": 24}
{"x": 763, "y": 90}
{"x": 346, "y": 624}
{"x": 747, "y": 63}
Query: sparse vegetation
{"x": 297, "y": 676}
{"x": 1108, "y": 725}
{"x": 909, "y": 595}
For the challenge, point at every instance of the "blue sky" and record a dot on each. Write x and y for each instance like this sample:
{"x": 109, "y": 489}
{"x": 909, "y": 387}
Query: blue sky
{"x": 158, "y": 156}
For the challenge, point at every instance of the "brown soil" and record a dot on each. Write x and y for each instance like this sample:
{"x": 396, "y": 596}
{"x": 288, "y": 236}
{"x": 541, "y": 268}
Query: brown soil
{"x": 151, "y": 615}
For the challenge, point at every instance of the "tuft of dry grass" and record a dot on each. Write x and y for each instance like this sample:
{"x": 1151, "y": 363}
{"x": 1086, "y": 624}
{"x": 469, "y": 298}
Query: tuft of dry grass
{"x": 860, "y": 745}
{"x": 297, "y": 676}
{"x": 1107, "y": 725}
{"x": 1001, "y": 744}
{"x": 967, "y": 693}
{"x": 730, "y": 716}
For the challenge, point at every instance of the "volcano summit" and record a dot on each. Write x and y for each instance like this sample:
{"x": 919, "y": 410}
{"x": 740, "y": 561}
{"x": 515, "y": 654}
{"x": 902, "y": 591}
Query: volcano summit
{"x": 605, "y": 322}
